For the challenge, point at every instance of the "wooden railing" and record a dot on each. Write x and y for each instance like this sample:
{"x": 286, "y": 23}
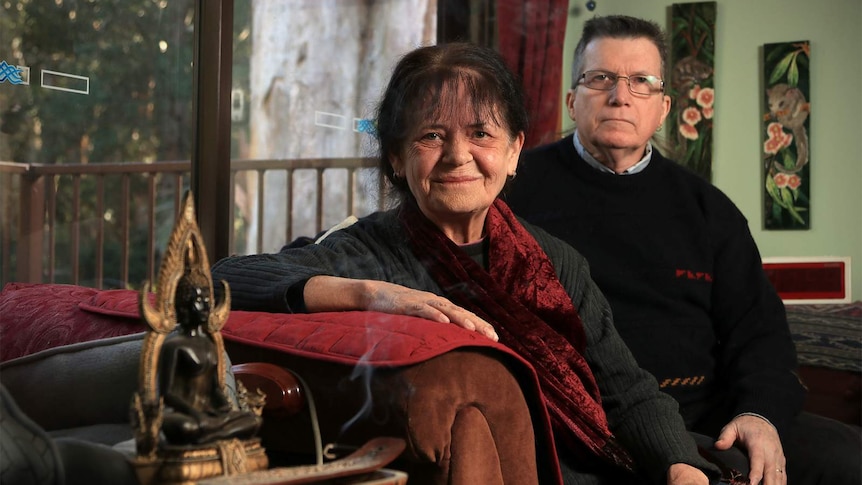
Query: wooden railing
{"x": 92, "y": 224}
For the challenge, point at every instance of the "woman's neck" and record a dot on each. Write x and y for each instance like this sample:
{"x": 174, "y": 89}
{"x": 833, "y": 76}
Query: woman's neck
{"x": 465, "y": 230}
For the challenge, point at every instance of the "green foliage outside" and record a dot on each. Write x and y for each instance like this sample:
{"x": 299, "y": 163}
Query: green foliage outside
{"x": 138, "y": 56}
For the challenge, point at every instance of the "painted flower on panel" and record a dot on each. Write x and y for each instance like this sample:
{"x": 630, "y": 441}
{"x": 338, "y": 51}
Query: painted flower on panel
{"x": 692, "y": 86}
{"x": 785, "y": 147}
{"x": 705, "y": 97}
{"x": 794, "y": 181}
{"x": 777, "y": 139}
{"x": 691, "y": 115}
{"x": 688, "y": 131}
{"x": 692, "y": 93}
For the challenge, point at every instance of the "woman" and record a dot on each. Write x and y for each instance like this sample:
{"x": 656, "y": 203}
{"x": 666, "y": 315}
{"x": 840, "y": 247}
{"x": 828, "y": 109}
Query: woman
{"x": 451, "y": 127}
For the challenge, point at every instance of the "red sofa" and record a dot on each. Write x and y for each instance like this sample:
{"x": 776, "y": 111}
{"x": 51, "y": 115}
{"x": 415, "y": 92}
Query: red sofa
{"x": 469, "y": 409}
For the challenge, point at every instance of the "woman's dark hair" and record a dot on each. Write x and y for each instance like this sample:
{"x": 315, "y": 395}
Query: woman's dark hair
{"x": 416, "y": 92}
{"x": 618, "y": 27}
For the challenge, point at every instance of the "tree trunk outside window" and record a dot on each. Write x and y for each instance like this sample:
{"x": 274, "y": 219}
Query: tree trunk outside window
{"x": 315, "y": 66}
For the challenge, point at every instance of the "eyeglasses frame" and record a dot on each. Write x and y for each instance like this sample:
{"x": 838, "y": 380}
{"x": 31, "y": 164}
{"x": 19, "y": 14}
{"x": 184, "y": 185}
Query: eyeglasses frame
{"x": 583, "y": 77}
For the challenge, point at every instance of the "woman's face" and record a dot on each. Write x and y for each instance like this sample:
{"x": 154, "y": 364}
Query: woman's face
{"x": 615, "y": 122}
{"x": 456, "y": 165}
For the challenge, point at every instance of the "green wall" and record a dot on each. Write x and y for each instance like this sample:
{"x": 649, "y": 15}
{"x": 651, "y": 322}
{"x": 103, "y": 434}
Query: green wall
{"x": 742, "y": 27}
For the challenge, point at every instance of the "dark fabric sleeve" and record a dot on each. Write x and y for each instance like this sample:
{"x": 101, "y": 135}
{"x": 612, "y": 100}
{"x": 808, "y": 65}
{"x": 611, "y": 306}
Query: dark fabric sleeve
{"x": 259, "y": 282}
{"x": 645, "y": 420}
{"x": 265, "y": 282}
{"x": 757, "y": 355}
{"x": 295, "y": 297}
{"x": 372, "y": 248}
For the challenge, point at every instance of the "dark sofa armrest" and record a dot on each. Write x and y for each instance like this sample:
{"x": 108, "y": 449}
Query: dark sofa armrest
{"x": 467, "y": 408}
{"x": 463, "y": 414}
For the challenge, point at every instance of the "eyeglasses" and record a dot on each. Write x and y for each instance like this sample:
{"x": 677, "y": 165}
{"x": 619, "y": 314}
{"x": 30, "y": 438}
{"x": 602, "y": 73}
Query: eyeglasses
{"x": 605, "y": 81}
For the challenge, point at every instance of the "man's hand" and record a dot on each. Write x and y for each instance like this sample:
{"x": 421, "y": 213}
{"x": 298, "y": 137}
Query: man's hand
{"x": 684, "y": 474}
{"x": 765, "y": 454}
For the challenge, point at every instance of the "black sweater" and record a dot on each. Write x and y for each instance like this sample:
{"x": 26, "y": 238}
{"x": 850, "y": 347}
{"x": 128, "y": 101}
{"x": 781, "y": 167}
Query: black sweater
{"x": 675, "y": 258}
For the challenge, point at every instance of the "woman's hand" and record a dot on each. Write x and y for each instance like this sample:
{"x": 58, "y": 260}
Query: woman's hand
{"x": 330, "y": 293}
{"x": 684, "y": 474}
{"x": 765, "y": 454}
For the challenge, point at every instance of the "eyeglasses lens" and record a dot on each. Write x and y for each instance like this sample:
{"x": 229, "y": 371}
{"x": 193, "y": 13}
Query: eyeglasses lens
{"x": 606, "y": 81}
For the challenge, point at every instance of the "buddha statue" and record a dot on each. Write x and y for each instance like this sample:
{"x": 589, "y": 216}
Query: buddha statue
{"x": 197, "y": 410}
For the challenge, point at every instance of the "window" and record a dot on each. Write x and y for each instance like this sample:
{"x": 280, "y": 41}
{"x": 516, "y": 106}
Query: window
{"x": 95, "y": 136}
{"x": 119, "y": 106}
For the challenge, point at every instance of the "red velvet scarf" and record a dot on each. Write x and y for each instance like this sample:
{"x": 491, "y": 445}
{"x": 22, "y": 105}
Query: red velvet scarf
{"x": 521, "y": 296}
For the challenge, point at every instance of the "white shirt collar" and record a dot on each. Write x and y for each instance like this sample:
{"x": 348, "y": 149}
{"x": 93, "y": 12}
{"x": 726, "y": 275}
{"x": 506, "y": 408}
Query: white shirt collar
{"x": 591, "y": 160}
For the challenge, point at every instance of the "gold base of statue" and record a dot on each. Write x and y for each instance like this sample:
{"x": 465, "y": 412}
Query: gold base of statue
{"x": 187, "y": 465}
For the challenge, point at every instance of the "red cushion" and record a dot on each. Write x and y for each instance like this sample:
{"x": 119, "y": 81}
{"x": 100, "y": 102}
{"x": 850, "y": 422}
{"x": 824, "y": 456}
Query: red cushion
{"x": 372, "y": 338}
{"x": 40, "y": 316}
{"x": 117, "y": 303}
{"x": 36, "y": 317}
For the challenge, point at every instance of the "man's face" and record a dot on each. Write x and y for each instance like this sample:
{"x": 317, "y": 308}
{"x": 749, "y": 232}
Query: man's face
{"x": 618, "y": 119}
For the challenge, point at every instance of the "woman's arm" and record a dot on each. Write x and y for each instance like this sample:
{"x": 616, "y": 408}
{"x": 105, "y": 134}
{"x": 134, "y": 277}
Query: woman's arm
{"x": 369, "y": 249}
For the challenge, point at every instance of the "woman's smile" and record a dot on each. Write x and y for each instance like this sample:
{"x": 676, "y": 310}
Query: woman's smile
{"x": 453, "y": 180}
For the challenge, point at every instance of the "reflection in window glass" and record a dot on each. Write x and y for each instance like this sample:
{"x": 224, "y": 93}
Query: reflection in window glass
{"x": 306, "y": 77}
{"x": 106, "y": 82}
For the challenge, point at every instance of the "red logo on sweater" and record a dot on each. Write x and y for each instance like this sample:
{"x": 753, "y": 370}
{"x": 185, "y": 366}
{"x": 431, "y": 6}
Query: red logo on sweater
{"x": 693, "y": 275}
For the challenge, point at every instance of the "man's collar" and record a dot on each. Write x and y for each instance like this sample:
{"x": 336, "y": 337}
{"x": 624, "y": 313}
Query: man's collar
{"x": 591, "y": 160}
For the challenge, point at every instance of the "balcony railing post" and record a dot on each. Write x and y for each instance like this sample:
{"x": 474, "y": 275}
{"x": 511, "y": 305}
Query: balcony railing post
{"x": 37, "y": 197}
{"x": 31, "y": 231}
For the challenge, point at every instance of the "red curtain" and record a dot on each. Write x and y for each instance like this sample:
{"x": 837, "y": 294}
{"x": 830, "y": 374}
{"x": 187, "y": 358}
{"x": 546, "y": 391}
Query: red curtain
{"x": 532, "y": 33}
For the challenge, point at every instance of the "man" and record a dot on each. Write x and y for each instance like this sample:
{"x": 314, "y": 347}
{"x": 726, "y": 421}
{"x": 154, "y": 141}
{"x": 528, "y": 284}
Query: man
{"x": 677, "y": 262}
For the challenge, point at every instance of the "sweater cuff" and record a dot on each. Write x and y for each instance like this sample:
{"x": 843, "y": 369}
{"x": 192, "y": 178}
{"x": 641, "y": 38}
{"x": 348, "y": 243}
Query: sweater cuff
{"x": 294, "y": 298}
{"x": 758, "y": 416}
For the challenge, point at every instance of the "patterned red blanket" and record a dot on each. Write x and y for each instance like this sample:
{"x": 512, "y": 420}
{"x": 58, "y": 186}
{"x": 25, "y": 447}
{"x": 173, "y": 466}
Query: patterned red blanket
{"x": 35, "y": 317}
